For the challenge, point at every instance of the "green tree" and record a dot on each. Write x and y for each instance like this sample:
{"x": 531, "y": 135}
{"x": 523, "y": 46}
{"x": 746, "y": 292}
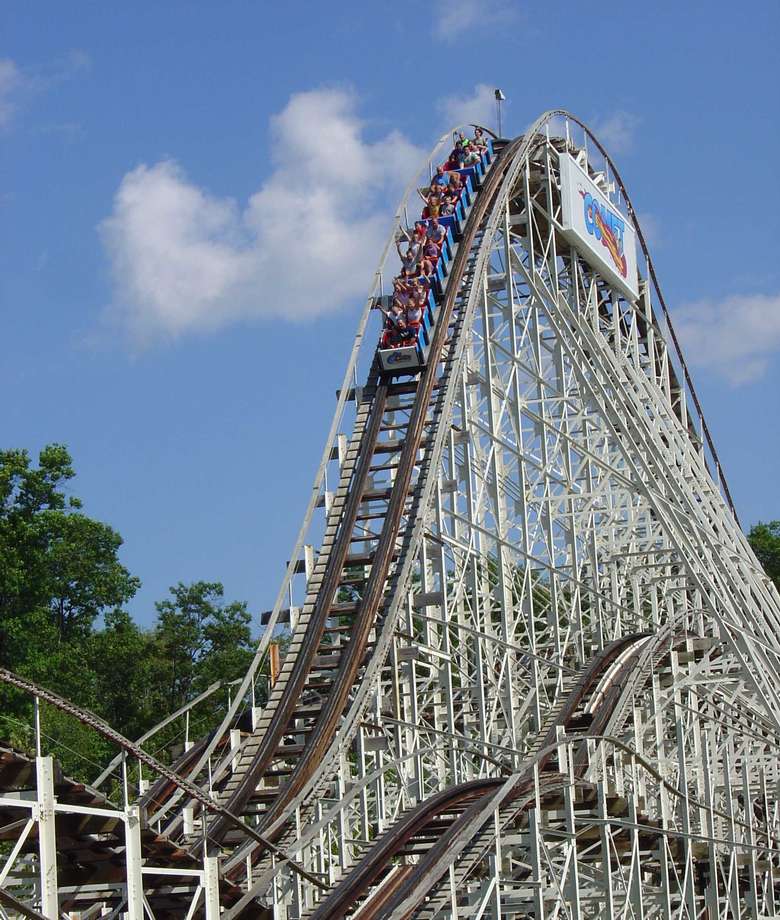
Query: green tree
{"x": 62, "y": 588}
{"x": 59, "y": 573}
{"x": 199, "y": 640}
{"x": 121, "y": 656}
{"x": 765, "y": 541}
{"x": 59, "y": 569}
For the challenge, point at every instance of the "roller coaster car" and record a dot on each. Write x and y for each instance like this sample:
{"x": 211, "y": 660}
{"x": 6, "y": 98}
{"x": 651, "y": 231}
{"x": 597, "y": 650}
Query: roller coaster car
{"x": 410, "y": 358}
{"x": 407, "y": 359}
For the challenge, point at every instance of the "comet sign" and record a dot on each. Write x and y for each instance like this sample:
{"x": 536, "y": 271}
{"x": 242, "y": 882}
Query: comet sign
{"x": 603, "y": 236}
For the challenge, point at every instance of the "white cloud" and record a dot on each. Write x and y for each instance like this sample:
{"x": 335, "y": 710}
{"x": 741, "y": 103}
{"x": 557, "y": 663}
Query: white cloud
{"x": 736, "y": 337}
{"x": 616, "y": 131}
{"x": 477, "y": 107}
{"x": 10, "y": 81}
{"x": 453, "y": 18}
{"x": 305, "y": 243}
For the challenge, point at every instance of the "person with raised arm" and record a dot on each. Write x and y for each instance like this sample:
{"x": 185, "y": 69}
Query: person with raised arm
{"x": 401, "y": 292}
{"x": 434, "y": 202}
{"x": 410, "y": 258}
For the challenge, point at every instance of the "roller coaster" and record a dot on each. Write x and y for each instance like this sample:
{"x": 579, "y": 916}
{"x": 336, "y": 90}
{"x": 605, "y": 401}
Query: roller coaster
{"x": 523, "y": 662}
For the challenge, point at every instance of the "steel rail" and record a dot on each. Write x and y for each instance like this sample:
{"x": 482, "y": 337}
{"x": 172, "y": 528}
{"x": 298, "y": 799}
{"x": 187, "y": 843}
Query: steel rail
{"x": 511, "y": 158}
{"x": 342, "y": 685}
{"x": 316, "y": 490}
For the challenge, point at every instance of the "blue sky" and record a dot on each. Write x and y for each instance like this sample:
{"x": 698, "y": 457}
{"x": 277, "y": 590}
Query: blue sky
{"x": 167, "y": 171}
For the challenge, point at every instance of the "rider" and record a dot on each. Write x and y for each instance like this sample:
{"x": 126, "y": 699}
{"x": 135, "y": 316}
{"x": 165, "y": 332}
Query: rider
{"x": 436, "y": 233}
{"x": 440, "y": 178}
{"x": 410, "y": 258}
{"x": 480, "y": 141}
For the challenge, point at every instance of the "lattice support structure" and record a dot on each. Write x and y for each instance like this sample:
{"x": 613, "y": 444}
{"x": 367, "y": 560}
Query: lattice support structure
{"x": 36, "y": 876}
{"x": 574, "y": 506}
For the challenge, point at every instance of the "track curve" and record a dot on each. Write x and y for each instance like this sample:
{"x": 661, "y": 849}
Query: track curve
{"x": 474, "y": 797}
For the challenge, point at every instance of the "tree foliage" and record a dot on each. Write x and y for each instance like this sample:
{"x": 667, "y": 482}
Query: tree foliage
{"x": 765, "y": 541}
{"x": 59, "y": 569}
{"x": 198, "y": 641}
{"x": 62, "y": 622}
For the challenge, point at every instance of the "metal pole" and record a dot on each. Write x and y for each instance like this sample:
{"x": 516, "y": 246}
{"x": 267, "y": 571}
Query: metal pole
{"x": 37, "y": 726}
{"x": 47, "y": 840}
{"x": 235, "y": 745}
{"x": 211, "y": 887}
{"x": 134, "y": 860}
{"x": 499, "y": 96}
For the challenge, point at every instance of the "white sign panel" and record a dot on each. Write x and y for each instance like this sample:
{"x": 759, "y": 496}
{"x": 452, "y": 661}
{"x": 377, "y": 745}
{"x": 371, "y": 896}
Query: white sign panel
{"x": 597, "y": 229}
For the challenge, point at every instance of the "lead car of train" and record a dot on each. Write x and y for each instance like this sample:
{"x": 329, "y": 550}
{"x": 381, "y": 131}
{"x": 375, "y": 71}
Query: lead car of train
{"x": 409, "y": 359}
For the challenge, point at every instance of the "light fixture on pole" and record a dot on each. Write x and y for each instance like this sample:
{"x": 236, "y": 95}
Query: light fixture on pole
{"x": 500, "y": 97}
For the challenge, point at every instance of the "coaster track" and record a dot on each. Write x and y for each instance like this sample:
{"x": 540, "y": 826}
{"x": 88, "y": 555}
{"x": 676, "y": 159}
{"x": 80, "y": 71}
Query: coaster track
{"x": 290, "y": 711}
{"x": 534, "y": 666}
{"x": 320, "y": 672}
